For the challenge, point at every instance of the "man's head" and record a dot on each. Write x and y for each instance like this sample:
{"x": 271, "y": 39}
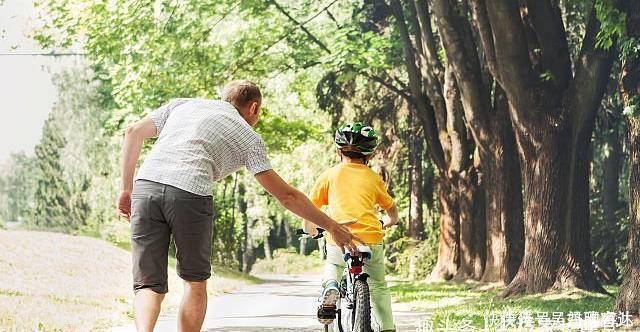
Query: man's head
{"x": 246, "y": 98}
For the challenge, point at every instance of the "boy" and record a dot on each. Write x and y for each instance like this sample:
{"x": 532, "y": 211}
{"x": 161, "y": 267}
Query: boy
{"x": 352, "y": 190}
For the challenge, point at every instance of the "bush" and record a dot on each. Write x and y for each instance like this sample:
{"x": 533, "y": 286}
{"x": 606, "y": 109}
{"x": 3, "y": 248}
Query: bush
{"x": 288, "y": 261}
{"x": 411, "y": 258}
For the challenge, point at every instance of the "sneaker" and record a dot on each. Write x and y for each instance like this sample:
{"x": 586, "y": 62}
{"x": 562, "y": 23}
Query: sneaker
{"x": 330, "y": 294}
{"x": 329, "y": 298}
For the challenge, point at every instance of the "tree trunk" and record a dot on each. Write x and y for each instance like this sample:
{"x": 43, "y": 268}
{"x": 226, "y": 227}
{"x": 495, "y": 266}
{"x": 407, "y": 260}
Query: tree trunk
{"x": 303, "y": 246}
{"x": 267, "y": 247}
{"x": 248, "y": 252}
{"x": 503, "y": 189}
{"x": 288, "y": 232}
{"x": 551, "y": 118}
{"x": 611, "y": 168}
{"x": 492, "y": 133}
{"x": 448, "y": 240}
{"x": 472, "y": 227}
{"x": 546, "y": 173}
{"x": 416, "y": 223}
{"x": 576, "y": 269}
{"x": 629, "y": 296}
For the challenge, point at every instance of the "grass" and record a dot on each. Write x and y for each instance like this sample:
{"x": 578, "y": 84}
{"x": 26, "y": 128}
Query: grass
{"x": 454, "y": 305}
{"x": 46, "y": 275}
{"x": 288, "y": 261}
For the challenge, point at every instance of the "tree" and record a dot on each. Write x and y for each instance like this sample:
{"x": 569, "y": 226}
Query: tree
{"x": 51, "y": 204}
{"x": 552, "y": 108}
{"x": 456, "y": 92}
{"x": 416, "y": 184}
{"x": 492, "y": 134}
{"x": 628, "y": 298}
{"x": 18, "y": 182}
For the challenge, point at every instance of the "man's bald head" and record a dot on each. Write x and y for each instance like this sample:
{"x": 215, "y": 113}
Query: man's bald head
{"x": 241, "y": 92}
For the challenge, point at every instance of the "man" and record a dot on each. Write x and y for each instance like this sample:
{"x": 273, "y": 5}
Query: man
{"x": 199, "y": 141}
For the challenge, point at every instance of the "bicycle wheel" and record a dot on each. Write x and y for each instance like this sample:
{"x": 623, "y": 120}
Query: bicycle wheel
{"x": 361, "y": 314}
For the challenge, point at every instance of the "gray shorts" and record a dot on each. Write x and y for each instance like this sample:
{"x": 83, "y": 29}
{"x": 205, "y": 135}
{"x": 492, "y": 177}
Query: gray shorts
{"x": 158, "y": 211}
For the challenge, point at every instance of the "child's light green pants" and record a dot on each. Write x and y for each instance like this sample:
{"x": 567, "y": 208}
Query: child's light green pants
{"x": 379, "y": 292}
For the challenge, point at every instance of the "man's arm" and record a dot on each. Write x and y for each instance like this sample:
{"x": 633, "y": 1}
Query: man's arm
{"x": 392, "y": 212}
{"x": 133, "y": 138}
{"x": 296, "y": 202}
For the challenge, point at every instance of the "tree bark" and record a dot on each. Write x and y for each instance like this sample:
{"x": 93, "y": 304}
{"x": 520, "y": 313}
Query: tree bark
{"x": 611, "y": 169}
{"x": 472, "y": 227}
{"x": 248, "y": 252}
{"x": 492, "y": 134}
{"x": 303, "y": 246}
{"x": 628, "y": 298}
{"x": 416, "y": 223}
{"x": 443, "y": 127}
{"x": 501, "y": 179}
{"x": 543, "y": 210}
{"x": 553, "y": 121}
{"x": 448, "y": 258}
{"x": 267, "y": 246}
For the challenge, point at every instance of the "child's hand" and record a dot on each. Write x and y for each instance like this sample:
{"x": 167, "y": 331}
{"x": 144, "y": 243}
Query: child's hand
{"x": 388, "y": 222}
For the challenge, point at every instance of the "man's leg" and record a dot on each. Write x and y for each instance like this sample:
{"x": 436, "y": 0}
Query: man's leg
{"x": 146, "y": 306}
{"x": 191, "y": 218}
{"x": 150, "y": 236}
{"x": 193, "y": 306}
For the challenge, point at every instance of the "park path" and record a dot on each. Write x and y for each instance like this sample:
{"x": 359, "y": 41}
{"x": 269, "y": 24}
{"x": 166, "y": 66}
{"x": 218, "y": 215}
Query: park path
{"x": 280, "y": 303}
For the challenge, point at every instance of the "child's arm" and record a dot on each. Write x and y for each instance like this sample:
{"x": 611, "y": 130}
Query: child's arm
{"x": 319, "y": 197}
{"x": 392, "y": 212}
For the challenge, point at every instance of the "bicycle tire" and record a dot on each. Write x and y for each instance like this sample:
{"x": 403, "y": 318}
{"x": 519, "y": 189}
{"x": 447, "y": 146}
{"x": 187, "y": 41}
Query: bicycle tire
{"x": 361, "y": 319}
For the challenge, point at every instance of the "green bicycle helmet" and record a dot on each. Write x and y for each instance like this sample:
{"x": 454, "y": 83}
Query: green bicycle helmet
{"x": 356, "y": 137}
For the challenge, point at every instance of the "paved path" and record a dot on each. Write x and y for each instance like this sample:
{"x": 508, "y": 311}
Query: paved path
{"x": 280, "y": 303}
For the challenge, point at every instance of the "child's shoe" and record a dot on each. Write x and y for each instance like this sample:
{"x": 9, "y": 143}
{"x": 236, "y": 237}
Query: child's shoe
{"x": 329, "y": 298}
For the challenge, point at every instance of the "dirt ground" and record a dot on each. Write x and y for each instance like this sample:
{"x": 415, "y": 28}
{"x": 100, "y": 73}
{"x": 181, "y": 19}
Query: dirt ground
{"x": 51, "y": 281}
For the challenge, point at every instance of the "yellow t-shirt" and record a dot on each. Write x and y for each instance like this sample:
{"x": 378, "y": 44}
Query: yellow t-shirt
{"x": 352, "y": 191}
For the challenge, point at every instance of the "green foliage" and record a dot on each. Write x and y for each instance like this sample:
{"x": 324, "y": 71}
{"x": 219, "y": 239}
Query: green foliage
{"x": 612, "y": 23}
{"x": 546, "y": 76}
{"x": 282, "y": 136}
{"x": 360, "y": 50}
{"x": 288, "y": 261}
{"x": 630, "y": 48}
{"x": 17, "y": 185}
{"x": 413, "y": 259}
{"x": 632, "y": 109}
{"x": 51, "y": 203}
{"x": 451, "y": 303}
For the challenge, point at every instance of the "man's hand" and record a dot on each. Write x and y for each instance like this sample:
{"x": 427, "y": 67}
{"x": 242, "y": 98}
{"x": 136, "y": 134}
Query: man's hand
{"x": 133, "y": 138}
{"x": 124, "y": 204}
{"x": 343, "y": 238}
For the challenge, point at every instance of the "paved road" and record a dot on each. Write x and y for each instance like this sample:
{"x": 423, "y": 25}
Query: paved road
{"x": 281, "y": 303}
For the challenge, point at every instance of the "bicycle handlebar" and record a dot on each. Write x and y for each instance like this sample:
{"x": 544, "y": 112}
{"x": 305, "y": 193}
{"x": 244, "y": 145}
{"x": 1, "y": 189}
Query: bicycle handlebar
{"x": 301, "y": 232}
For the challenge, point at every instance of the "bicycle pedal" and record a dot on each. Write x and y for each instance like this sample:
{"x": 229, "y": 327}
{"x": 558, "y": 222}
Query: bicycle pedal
{"x": 326, "y": 314}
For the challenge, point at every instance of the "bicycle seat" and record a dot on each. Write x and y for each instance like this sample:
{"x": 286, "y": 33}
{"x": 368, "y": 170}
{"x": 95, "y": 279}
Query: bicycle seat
{"x": 364, "y": 252}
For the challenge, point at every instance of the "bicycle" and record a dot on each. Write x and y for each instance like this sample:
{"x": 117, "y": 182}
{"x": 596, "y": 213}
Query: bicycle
{"x": 354, "y": 294}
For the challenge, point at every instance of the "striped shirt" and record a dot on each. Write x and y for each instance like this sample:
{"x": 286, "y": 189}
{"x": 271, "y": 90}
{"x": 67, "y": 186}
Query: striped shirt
{"x": 201, "y": 141}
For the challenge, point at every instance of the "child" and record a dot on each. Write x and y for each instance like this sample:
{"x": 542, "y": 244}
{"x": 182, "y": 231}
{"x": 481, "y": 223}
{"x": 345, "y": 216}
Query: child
{"x": 352, "y": 190}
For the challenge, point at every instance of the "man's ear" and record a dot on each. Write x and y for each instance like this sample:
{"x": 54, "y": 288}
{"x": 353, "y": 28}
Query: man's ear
{"x": 254, "y": 108}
